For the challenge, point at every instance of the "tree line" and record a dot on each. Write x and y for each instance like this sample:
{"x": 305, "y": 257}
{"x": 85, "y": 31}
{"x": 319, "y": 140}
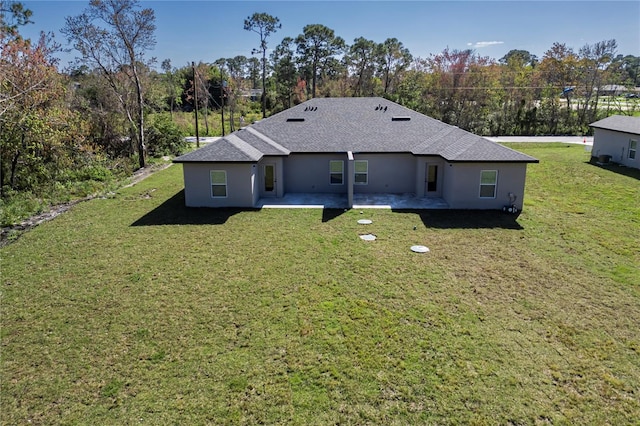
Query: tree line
{"x": 67, "y": 130}
{"x": 519, "y": 94}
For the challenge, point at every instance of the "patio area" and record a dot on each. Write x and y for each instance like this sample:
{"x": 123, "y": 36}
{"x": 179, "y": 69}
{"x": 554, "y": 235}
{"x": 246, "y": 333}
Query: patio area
{"x": 360, "y": 201}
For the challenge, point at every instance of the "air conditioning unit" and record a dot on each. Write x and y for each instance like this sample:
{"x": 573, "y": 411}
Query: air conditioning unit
{"x": 604, "y": 159}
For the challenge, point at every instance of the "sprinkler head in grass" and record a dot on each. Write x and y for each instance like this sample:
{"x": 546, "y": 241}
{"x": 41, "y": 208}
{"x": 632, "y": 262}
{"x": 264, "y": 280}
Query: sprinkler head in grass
{"x": 415, "y": 227}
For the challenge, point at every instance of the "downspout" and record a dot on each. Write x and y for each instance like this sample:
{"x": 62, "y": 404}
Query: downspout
{"x": 350, "y": 178}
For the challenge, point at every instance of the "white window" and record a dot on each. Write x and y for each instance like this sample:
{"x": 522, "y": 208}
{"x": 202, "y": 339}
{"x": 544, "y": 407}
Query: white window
{"x": 218, "y": 183}
{"x": 633, "y": 147}
{"x": 336, "y": 172}
{"x": 361, "y": 172}
{"x": 488, "y": 183}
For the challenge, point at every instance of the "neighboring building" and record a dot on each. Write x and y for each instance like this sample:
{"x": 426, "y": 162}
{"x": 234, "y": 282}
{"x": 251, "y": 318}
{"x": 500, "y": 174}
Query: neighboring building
{"x": 616, "y": 138}
{"x": 612, "y": 90}
{"x": 352, "y": 146}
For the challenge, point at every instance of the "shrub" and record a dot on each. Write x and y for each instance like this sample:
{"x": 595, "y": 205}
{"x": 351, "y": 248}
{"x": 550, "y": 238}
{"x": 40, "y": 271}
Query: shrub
{"x": 164, "y": 137}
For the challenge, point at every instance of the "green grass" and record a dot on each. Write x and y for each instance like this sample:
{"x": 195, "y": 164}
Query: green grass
{"x": 134, "y": 309}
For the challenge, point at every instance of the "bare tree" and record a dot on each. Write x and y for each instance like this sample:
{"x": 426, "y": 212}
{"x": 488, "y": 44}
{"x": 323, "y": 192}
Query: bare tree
{"x": 113, "y": 36}
{"x": 594, "y": 70}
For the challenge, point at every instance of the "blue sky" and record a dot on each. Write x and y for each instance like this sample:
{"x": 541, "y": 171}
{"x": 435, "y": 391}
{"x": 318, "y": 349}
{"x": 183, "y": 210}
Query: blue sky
{"x": 207, "y": 30}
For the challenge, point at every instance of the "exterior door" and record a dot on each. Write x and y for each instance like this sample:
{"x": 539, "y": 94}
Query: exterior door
{"x": 269, "y": 180}
{"x": 432, "y": 180}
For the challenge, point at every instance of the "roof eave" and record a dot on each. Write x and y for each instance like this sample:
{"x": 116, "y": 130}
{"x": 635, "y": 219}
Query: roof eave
{"x": 215, "y": 161}
{"x": 534, "y": 160}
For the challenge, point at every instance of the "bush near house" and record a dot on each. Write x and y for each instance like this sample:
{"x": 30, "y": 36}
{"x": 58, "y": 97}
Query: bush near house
{"x": 164, "y": 137}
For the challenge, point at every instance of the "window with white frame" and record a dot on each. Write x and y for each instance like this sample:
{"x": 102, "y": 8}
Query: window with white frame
{"x": 361, "y": 169}
{"x": 336, "y": 172}
{"x": 633, "y": 147}
{"x": 218, "y": 183}
{"x": 488, "y": 183}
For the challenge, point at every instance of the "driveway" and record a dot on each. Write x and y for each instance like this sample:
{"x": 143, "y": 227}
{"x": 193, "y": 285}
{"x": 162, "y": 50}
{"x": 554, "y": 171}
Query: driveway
{"x": 582, "y": 140}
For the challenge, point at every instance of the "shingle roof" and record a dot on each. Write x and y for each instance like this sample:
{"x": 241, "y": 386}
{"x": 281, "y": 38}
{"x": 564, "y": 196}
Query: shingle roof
{"x": 228, "y": 149}
{"x": 620, "y": 123}
{"x": 323, "y": 125}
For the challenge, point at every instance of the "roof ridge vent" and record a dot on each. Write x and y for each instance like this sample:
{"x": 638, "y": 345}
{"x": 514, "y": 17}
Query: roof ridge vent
{"x": 295, "y": 119}
{"x": 400, "y": 118}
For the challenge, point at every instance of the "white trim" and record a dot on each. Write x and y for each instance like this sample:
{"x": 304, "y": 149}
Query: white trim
{"x": 355, "y": 172}
{"x": 226, "y": 191}
{"x": 634, "y": 150}
{"x": 341, "y": 172}
{"x": 494, "y": 185}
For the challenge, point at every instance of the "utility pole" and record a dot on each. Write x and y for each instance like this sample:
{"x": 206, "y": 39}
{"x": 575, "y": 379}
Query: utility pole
{"x": 222, "y": 98}
{"x": 195, "y": 97}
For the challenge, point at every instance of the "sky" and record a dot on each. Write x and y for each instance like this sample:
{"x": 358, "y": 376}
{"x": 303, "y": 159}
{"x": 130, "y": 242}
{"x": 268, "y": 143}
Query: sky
{"x": 207, "y": 30}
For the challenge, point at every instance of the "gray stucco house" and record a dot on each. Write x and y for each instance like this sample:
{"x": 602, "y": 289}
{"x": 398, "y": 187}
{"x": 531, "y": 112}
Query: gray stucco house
{"x": 349, "y": 147}
{"x": 616, "y": 137}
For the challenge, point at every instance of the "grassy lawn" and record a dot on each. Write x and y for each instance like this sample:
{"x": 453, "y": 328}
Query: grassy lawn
{"x": 134, "y": 309}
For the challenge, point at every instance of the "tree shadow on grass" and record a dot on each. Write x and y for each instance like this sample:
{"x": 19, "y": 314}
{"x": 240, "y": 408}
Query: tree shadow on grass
{"x": 174, "y": 212}
{"x": 617, "y": 168}
{"x": 466, "y": 219}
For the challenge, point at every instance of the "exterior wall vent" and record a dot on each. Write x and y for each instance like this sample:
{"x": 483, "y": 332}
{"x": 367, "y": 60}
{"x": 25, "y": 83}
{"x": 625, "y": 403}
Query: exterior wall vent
{"x": 400, "y": 118}
{"x": 295, "y": 119}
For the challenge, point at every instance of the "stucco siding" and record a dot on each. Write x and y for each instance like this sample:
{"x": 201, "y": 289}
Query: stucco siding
{"x": 309, "y": 173}
{"x": 461, "y": 189}
{"x": 615, "y": 144}
{"x": 388, "y": 173}
{"x": 241, "y": 185}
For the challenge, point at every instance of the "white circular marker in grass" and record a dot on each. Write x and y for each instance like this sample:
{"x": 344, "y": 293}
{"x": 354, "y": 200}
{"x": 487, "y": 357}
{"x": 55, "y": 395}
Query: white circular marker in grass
{"x": 365, "y": 221}
{"x": 420, "y": 249}
{"x": 368, "y": 237}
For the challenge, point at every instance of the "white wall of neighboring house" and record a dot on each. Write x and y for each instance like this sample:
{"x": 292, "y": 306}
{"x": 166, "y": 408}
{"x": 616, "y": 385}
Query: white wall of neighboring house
{"x": 615, "y": 144}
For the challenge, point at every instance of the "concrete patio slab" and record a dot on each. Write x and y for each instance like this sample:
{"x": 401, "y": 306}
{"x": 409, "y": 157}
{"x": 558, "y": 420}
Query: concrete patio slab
{"x": 360, "y": 201}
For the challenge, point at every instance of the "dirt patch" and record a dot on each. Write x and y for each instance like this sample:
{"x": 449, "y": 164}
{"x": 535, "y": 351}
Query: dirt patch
{"x": 11, "y": 233}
